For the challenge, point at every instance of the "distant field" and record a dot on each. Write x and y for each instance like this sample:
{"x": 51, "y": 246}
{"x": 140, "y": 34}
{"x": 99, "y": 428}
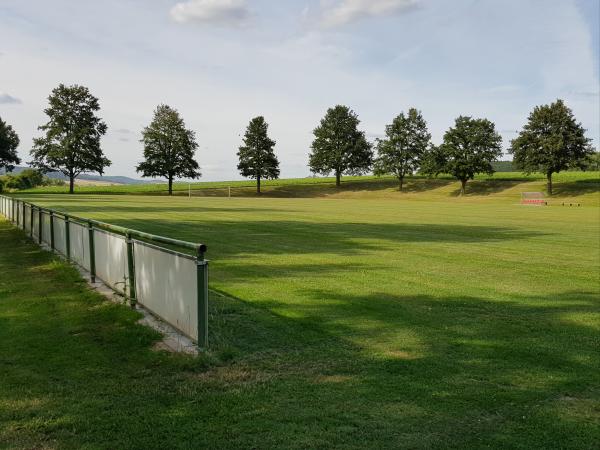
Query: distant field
{"x": 357, "y": 320}
{"x": 95, "y": 183}
{"x": 567, "y": 184}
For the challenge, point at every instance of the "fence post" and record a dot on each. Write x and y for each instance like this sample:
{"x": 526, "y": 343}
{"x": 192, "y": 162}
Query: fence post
{"x": 202, "y": 288}
{"x": 131, "y": 269}
{"x": 92, "y": 252}
{"x": 52, "y": 230}
{"x": 40, "y": 221}
{"x": 67, "y": 238}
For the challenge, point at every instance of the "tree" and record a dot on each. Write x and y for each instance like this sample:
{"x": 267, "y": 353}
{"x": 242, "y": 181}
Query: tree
{"x": 551, "y": 141}
{"x": 593, "y": 161}
{"x": 257, "y": 159}
{"x": 469, "y": 148}
{"x": 433, "y": 161}
{"x": 338, "y": 146}
{"x": 406, "y": 144}
{"x": 9, "y": 141}
{"x": 71, "y": 143}
{"x": 169, "y": 147}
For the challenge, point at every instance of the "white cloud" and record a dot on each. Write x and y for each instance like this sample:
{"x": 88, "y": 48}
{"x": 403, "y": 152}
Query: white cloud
{"x": 224, "y": 12}
{"x": 6, "y": 99}
{"x": 346, "y": 11}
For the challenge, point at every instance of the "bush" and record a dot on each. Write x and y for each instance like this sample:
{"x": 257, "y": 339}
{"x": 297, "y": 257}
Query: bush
{"x": 12, "y": 182}
{"x": 28, "y": 178}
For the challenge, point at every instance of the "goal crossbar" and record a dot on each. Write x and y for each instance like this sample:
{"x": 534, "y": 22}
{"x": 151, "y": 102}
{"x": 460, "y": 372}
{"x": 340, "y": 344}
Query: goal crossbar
{"x": 532, "y": 198}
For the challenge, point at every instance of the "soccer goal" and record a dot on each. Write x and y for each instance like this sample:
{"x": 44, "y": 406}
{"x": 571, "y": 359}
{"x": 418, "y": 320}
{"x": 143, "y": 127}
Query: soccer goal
{"x": 533, "y": 198}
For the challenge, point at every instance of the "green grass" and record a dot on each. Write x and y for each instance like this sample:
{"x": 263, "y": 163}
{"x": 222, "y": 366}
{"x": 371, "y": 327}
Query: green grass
{"x": 311, "y": 187}
{"x": 364, "y": 319}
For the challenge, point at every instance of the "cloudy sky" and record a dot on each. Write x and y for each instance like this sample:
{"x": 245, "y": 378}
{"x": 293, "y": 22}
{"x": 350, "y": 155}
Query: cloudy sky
{"x": 222, "y": 62}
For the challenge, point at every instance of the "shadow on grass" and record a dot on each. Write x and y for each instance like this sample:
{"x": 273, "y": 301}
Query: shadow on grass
{"x": 336, "y": 371}
{"x": 321, "y": 190}
{"x": 487, "y": 187}
{"x": 580, "y": 187}
{"x": 295, "y": 237}
{"x": 469, "y": 367}
{"x": 292, "y": 190}
{"x": 339, "y": 370}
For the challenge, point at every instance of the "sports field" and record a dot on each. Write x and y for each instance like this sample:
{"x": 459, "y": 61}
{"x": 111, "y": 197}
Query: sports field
{"x": 370, "y": 317}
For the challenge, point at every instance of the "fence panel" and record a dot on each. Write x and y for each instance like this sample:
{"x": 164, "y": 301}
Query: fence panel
{"x": 46, "y": 228}
{"x": 27, "y": 219}
{"x": 60, "y": 241}
{"x": 36, "y": 223}
{"x": 19, "y": 215}
{"x": 6, "y": 207}
{"x": 166, "y": 284}
{"x": 172, "y": 285}
{"x": 9, "y": 205}
{"x": 79, "y": 244}
{"x": 111, "y": 259}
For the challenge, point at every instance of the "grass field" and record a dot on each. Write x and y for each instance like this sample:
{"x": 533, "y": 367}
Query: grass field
{"x": 366, "y": 318}
{"x": 567, "y": 184}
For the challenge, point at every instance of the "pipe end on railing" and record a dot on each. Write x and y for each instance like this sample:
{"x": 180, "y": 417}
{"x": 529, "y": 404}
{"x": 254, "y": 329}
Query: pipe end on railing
{"x": 201, "y": 251}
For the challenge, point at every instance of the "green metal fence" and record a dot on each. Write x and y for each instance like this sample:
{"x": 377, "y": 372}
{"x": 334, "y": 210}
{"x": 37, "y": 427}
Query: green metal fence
{"x": 171, "y": 284}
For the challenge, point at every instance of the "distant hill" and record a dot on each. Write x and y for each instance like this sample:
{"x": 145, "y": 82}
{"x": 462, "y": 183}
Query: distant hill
{"x": 89, "y": 177}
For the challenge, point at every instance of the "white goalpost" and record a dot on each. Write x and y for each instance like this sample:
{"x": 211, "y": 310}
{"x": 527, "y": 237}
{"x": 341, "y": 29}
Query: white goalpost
{"x": 533, "y": 198}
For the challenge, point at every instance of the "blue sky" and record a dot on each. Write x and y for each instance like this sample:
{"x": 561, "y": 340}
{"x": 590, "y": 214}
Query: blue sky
{"x": 222, "y": 62}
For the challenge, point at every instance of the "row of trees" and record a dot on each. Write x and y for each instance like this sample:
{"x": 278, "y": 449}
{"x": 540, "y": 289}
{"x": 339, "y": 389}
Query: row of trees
{"x": 551, "y": 141}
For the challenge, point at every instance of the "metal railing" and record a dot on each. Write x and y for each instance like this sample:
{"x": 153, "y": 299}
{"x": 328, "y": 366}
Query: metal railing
{"x": 172, "y": 285}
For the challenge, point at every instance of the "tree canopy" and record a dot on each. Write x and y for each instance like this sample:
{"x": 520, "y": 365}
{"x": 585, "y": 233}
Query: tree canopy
{"x": 71, "y": 143}
{"x": 551, "y": 141}
{"x": 169, "y": 147}
{"x": 9, "y": 141}
{"x": 339, "y": 146}
{"x": 469, "y": 148}
{"x": 433, "y": 161}
{"x": 406, "y": 142}
{"x": 257, "y": 159}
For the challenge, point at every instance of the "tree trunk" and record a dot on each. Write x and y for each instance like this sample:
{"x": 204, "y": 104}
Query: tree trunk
{"x": 71, "y": 184}
{"x": 401, "y": 178}
{"x": 258, "y": 184}
{"x": 463, "y": 183}
{"x": 549, "y": 178}
{"x": 338, "y": 177}
{"x": 170, "y": 185}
